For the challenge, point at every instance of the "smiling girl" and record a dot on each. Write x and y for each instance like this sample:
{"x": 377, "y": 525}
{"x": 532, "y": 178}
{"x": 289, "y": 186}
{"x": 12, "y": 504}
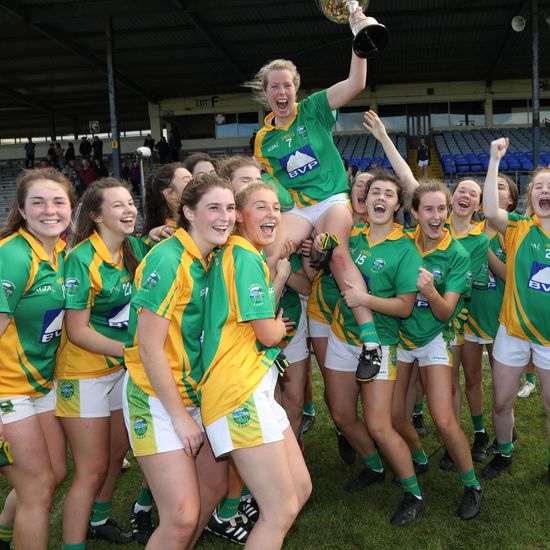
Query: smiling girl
{"x": 33, "y": 271}
{"x": 524, "y": 330}
{"x": 296, "y": 147}
{"x": 426, "y": 336}
{"x": 241, "y": 334}
{"x": 388, "y": 259}
{"x": 161, "y": 405}
{"x": 89, "y": 370}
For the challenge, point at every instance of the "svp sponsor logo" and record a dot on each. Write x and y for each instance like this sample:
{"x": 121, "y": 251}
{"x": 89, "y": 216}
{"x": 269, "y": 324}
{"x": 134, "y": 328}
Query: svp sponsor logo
{"x": 300, "y": 162}
{"x": 51, "y": 325}
{"x": 539, "y": 279}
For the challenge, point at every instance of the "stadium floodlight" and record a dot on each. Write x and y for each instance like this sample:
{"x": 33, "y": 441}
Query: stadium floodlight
{"x": 518, "y": 23}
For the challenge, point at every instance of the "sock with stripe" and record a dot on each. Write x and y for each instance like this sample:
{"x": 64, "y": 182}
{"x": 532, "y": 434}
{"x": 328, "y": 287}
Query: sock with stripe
{"x": 228, "y": 508}
{"x": 420, "y": 457}
{"x": 418, "y": 408}
{"x": 6, "y": 532}
{"x": 101, "y": 512}
{"x": 531, "y": 377}
{"x": 469, "y": 478}
{"x": 505, "y": 449}
{"x": 309, "y": 408}
{"x": 410, "y": 485}
{"x": 373, "y": 462}
{"x": 368, "y": 335}
{"x": 479, "y": 423}
{"x": 144, "y": 501}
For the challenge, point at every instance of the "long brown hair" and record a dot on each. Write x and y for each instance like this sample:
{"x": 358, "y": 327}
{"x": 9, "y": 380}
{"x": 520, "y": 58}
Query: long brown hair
{"x": 90, "y": 206}
{"x": 24, "y": 182}
{"x": 157, "y": 209}
{"x": 430, "y": 186}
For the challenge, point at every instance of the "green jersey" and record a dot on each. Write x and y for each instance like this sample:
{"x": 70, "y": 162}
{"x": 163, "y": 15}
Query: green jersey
{"x": 302, "y": 155}
{"x": 233, "y": 360}
{"x": 34, "y": 298}
{"x": 450, "y": 265}
{"x": 290, "y": 301}
{"x": 171, "y": 282}
{"x": 484, "y": 308}
{"x": 526, "y": 305}
{"x": 389, "y": 267}
{"x": 94, "y": 281}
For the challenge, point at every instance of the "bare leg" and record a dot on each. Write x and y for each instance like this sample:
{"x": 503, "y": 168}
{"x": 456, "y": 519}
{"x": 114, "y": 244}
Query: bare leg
{"x": 505, "y": 387}
{"x": 292, "y": 394}
{"x": 178, "y": 509}
{"x": 401, "y": 414}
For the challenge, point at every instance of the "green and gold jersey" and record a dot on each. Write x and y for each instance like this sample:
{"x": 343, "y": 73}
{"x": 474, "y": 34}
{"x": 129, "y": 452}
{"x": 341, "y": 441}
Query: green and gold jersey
{"x": 476, "y": 243}
{"x": 171, "y": 282}
{"x": 233, "y": 360}
{"x": 302, "y": 155}
{"x": 323, "y": 298}
{"x": 450, "y": 265}
{"x": 93, "y": 281}
{"x": 290, "y": 302}
{"x": 389, "y": 267}
{"x": 4, "y": 307}
{"x": 34, "y": 292}
{"x": 484, "y": 308}
{"x": 526, "y": 305}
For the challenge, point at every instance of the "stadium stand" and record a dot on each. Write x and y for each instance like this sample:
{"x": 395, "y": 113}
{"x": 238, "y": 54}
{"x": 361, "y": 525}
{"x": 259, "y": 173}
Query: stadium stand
{"x": 465, "y": 151}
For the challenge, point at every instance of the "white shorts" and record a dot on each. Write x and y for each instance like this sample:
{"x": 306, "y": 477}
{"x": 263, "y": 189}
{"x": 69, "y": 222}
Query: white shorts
{"x": 318, "y": 329}
{"x": 258, "y": 421}
{"x": 423, "y": 162}
{"x": 314, "y": 212}
{"x": 150, "y": 429}
{"x": 297, "y": 349}
{"x": 514, "y": 352}
{"x": 436, "y": 352}
{"x": 21, "y": 407}
{"x": 343, "y": 357}
{"x": 91, "y": 397}
{"x": 477, "y": 339}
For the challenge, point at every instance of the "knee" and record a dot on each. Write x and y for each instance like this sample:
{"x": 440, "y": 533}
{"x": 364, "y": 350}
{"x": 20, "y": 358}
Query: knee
{"x": 501, "y": 406}
{"x": 378, "y": 430}
{"x": 303, "y": 491}
{"x": 60, "y": 473}
{"x": 445, "y": 424}
{"x": 342, "y": 419}
{"x": 38, "y": 490}
{"x": 182, "y": 522}
{"x": 339, "y": 259}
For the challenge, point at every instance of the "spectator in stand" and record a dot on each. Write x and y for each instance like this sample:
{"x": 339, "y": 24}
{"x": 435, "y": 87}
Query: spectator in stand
{"x": 252, "y": 142}
{"x": 150, "y": 142}
{"x": 85, "y": 148}
{"x": 69, "y": 153}
{"x": 174, "y": 144}
{"x": 124, "y": 171}
{"x": 162, "y": 150}
{"x": 69, "y": 171}
{"x": 29, "y": 153}
{"x": 58, "y": 150}
{"x": 200, "y": 163}
{"x": 51, "y": 156}
{"x": 99, "y": 169}
{"x": 135, "y": 177}
{"x": 86, "y": 176}
{"x": 423, "y": 158}
{"x": 97, "y": 146}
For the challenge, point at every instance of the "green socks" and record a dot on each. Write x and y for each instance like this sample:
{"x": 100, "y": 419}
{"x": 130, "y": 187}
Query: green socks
{"x": 245, "y": 492}
{"x": 418, "y": 408}
{"x": 505, "y": 449}
{"x": 373, "y": 462}
{"x": 420, "y": 457}
{"x": 469, "y": 478}
{"x": 101, "y": 512}
{"x": 368, "y": 335}
{"x": 531, "y": 377}
{"x": 80, "y": 546}
{"x": 6, "y": 532}
{"x": 309, "y": 408}
{"x": 477, "y": 421}
{"x": 410, "y": 485}
{"x": 144, "y": 501}
{"x": 228, "y": 508}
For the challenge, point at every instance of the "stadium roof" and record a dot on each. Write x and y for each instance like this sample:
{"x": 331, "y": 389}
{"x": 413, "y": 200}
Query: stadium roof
{"x": 53, "y": 60}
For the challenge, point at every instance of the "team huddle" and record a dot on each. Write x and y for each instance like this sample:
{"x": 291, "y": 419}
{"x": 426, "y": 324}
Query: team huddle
{"x": 190, "y": 344}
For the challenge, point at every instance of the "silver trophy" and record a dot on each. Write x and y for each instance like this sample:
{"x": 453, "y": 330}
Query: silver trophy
{"x": 370, "y": 37}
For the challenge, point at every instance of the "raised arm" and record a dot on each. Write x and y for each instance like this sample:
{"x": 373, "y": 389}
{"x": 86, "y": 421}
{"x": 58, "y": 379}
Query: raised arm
{"x": 496, "y": 215}
{"x": 342, "y": 92}
{"x": 403, "y": 171}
